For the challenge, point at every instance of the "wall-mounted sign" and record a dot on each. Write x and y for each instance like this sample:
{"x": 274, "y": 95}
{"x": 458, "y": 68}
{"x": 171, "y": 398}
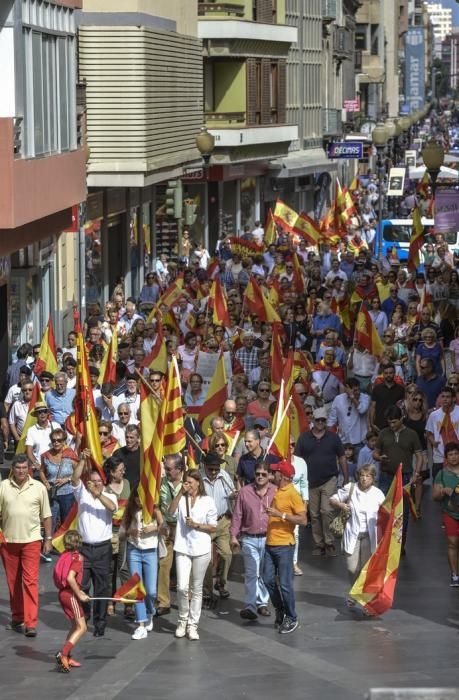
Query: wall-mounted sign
{"x": 352, "y": 105}
{"x": 346, "y": 149}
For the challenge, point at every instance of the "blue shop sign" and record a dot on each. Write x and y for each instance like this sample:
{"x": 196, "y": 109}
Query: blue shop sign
{"x": 346, "y": 149}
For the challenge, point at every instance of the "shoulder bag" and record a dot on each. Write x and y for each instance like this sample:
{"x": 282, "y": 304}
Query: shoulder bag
{"x": 338, "y": 523}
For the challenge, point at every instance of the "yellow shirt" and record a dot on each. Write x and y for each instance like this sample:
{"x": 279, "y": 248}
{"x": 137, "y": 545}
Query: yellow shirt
{"x": 287, "y": 500}
{"x": 22, "y": 510}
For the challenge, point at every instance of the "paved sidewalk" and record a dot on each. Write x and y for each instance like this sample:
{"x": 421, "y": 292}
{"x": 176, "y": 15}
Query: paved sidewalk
{"x": 329, "y": 656}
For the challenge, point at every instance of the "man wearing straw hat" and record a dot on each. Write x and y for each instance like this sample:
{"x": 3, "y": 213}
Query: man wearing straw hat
{"x": 37, "y": 440}
{"x": 95, "y": 511}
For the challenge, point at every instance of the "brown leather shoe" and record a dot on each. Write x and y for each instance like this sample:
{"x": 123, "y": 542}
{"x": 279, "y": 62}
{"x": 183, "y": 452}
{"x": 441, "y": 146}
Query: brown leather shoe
{"x": 162, "y": 611}
{"x": 263, "y": 611}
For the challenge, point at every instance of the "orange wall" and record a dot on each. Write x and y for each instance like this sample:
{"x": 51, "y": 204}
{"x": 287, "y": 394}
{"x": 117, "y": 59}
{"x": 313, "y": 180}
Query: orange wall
{"x": 32, "y": 189}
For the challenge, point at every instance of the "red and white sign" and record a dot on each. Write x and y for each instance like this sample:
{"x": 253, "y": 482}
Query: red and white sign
{"x": 352, "y": 105}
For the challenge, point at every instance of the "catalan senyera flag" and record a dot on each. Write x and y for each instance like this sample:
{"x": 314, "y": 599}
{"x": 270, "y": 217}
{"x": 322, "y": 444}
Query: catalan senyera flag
{"x": 375, "y": 586}
{"x": 285, "y": 216}
{"x": 366, "y": 334}
{"x": 151, "y": 452}
{"x": 174, "y": 440}
{"x": 133, "y": 590}
{"x": 217, "y": 394}
{"x": 416, "y": 241}
{"x": 108, "y": 365}
{"x": 277, "y": 358}
{"x": 85, "y": 412}
{"x": 30, "y": 419}
{"x": 157, "y": 358}
{"x": 258, "y": 304}
{"x": 70, "y": 523}
{"x": 270, "y": 236}
{"x": 217, "y": 302}
{"x": 47, "y": 359}
{"x": 307, "y": 229}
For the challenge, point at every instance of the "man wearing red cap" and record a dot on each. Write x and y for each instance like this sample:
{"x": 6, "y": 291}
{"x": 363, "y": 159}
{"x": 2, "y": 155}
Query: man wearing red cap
{"x": 286, "y": 511}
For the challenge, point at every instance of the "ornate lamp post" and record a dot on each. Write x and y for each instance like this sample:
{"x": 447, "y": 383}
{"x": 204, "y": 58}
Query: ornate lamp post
{"x": 379, "y": 136}
{"x": 205, "y": 143}
{"x": 433, "y": 156}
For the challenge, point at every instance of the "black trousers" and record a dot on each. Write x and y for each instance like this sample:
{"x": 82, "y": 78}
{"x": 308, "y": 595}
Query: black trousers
{"x": 96, "y": 571}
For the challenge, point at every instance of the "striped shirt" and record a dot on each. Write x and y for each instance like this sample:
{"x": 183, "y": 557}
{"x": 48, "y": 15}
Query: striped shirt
{"x": 219, "y": 490}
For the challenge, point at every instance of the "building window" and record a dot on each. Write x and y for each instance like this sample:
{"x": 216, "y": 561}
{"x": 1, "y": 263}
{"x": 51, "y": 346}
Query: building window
{"x": 50, "y": 94}
{"x": 361, "y": 37}
{"x": 374, "y": 39}
{"x": 274, "y": 92}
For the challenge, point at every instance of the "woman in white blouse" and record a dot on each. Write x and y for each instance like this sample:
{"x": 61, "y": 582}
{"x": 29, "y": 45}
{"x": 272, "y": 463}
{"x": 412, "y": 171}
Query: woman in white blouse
{"x": 196, "y": 522}
{"x": 360, "y": 532}
{"x": 142, "y": 557}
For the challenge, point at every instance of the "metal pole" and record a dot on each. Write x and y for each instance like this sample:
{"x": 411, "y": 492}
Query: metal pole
{"x": 379, "y": 242}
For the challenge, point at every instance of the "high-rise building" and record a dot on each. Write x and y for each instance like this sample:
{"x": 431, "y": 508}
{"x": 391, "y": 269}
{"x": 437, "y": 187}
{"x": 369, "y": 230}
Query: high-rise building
{"x": 442, "y": 22}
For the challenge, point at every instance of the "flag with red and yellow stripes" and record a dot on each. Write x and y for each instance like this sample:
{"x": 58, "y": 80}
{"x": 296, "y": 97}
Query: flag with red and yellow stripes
{"x": 307, "y": 229}
{"x": 174, "y": 433}
{"x": 157, "y": 357}
{"x": 217, "y": 394}
{"x": 217, "y": 302}
{"x": 2, "y": 537}
{"x": 47, "y": 357}
{"x": 107, "y": 371}
{"x": 298, "y": 276}
{"x": 375, "y": 586}
{"x": 151, "y": 452}
{"x": 416, "y": 241}
{"x": 258, "y": 304}
{"x": 277, "y": 358}
{"x": 285, "y": 216}
{"x": 366, "y": 334}
{"x": 133, "y": 590}
{"x": 270, "y": 236}
{"x": 70, "y": 523}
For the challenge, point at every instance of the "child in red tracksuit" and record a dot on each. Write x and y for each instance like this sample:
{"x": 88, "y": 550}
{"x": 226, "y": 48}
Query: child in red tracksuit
{"x": 68, "y": 574}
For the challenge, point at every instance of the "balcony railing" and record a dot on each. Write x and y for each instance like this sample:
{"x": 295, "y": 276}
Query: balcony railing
{"x": 342, "y": 43}
{"x": 328, "y": 10}
{"x": 225, "y": 117}
{"x": 331, "y": 121}
{"x": 17, "y": 137}
{"x": 358, "y": 60}
{"x": 81, "y": 112}
{"x": 221, "y": 8}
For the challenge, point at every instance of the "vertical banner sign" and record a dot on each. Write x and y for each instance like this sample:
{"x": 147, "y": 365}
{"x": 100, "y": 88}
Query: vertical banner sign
{"x": 446, "y": 211}
{"x": 414, "y": 68}
{"x": 396, "y": 182}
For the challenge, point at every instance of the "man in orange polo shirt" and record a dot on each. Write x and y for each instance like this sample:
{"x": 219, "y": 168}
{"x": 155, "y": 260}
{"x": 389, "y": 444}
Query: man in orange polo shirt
{"x": 286, "y": 511}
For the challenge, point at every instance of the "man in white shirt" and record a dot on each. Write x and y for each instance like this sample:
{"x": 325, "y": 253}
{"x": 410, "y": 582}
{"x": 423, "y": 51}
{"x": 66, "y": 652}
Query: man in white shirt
{"x": 131, "y": 396}
{"x": 443, "y": 427}
{"x": 335, "y": 272}
{"x": 38, "y": 435}
{"x": 95, "y": 512}
{"x": 119, "y": 426}
{"x": 19, "y": 411}
{"x": 349, "y": 413}
{"x": 107, "y": 403}
{"x": 258, "y": 233}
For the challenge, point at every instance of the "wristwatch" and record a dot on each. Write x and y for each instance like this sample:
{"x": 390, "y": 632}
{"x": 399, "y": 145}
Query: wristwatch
{"x": 284, "y": 516}
{"x": 48, "y": 537}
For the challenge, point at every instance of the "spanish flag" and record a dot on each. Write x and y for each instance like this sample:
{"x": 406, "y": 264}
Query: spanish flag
{"x": 119, "y": 512}
{"x": 270, "y": 236}
{"x": 285, "y": 216}
{"x": 174, "y": 433}
{"x": 244, "y": 248}
{"x": 375, "y": 587}
{"x": 171, "y": 295}
{"x": 157, "y": 358}
{"x": 354, "y": 184}
{"x": 277, "y": 358}
{"x": 2, "y": 537}
{"x": 217, "y": 394}
{"x": 307, "y": 229}
{"x": 416, "y": 241}
{"x": 151, "y": 452}
{"x": 299, "y": 421}
{"x": 131, "y": 590}
{"x": 366, "y": 334}
{"x": 108, "y": 365}
{"x": 410, "y": 501}
{"x": 70, "y": 523}
{"x": 258, "y": 304}
{"x": 298, "y": 276}
{"x": 30, "y": 420}
{"x": 47, "y": 359}
{"x": 281, "y": 420}
{"x": 217, "y": 302}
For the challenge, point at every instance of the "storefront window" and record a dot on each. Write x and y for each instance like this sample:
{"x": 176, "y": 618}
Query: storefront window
{"x": 134, "y": 251}
{"x": 193, "y": 196}
{"x": 21, "y": 310}
{"x": 94, "y": 268}
{"x": 248, "y": 199}
{"x": 146, "y": 223}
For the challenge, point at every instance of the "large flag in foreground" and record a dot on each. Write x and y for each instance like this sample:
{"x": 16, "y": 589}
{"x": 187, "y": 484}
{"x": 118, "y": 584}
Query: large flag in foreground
{"x": 374, "y": 588}
{"x": 47, "y": 359}
{"x": 174, "y": 440}
{"x": 366, "y": 334}
{"x": 151, "y": 452}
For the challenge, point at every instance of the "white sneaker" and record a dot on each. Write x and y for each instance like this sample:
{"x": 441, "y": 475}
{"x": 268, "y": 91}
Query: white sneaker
{"x": 149, "y": 627}
{"x": 192, "y": 633}
{"x": 180, "y": 630}
{"x": 140, "y": 633}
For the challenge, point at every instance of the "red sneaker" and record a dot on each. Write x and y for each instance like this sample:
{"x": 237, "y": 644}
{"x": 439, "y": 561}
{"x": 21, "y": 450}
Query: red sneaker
{"x": 73, "y": 663}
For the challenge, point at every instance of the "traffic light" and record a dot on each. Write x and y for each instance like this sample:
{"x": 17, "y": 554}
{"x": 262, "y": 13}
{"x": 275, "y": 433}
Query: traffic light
{"x": 190, "y": 212}
{"x": 174, "y": 199}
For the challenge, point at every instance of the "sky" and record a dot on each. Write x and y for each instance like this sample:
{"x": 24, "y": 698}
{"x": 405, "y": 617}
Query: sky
{"x": 454, "y": 6}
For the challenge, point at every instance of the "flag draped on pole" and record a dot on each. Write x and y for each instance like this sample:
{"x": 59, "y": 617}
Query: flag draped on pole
{"x": 47, "y": 359}
{"x": 70, "y": 523}
{"x": 277, "y": 358}
{"x": 366, "y": 334}
{"x": 285, "y": 216}
{"x": 270, "y": 236}
{"x": 416, "y": 241}
{"x": 375, "y": 586}
{"x": 151, "y": 452}
{"x": 258, "y": 304}
{"x": 157, "y": 358}
{"x": 217, "y": 302}
{"x": 85, "y": 412}
{"x": 281, "y": 420}
{"x": 30, "y": 419}
{"x": 133, "y": 589}
{"x": 298, "y": 276}
{"x": 170, "y": 296}
{"x": 217, "y": 394}
{"x": 299, "y": 421}
{"x": 174, "y": 433}
{"x": 107, "y": 373}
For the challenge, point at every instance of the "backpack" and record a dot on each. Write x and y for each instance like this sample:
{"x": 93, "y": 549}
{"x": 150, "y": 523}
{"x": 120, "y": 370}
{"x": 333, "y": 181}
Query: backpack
{"x": 61, "y": 570}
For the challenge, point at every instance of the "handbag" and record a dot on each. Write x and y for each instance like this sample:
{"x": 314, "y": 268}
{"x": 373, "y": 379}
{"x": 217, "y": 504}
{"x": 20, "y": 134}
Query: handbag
{"x": 338, "y": 523}
{"x": 53, "y": 490}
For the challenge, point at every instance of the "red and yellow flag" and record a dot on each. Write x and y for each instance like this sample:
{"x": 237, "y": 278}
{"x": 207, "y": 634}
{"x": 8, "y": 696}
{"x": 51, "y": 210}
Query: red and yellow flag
{"x": 151, "y": 452}
{"x": 157, "y": 358}
{"x": 217, "y": 394}
{"x": 47, "y": 358}
{"x": 277, "y": 358}
{"x": 174, "y": 433}
{"x": 299, "y": 421}
{"x": 85, "y": 412}
{"x": 285, "y": 216}
{"x": 244, "y": 248}
{"x": 366, "y": 334}
{"x": 133, "y": 590}
{"x": 375, "y": 586}
{"x": 107, "y": 371}
{"x": 298, "y": 276}
{"x": 30, "y": 420}
{"x": 270, "y": 236}
{"x": 307, "y": 229}
{"x": 447, "y": 430}
{"x": 416, "y": 241}
{"x": 70, "y": 523}
{"x": 217, "y": 302}
{"x": 281, "y": 420}
{"x": 192, "y": 461}
{"x": 409, "y": 500}
{"x": 170, "y": 296}
{"x": 354, "y": 184}
{"x": 2, "y": 537}
{"x": 259, "y": 304}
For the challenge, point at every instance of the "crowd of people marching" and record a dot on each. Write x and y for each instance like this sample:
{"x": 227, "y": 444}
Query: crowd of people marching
{"x": 372, "y": 356}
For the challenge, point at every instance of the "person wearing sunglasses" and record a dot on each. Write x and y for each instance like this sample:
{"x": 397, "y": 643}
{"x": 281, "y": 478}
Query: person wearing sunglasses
{"x": 119, "y": 426}
{"x": 38, "y": 439}
{"x": 15, "y": 391}
{"x": 108, "y": 442}
{"x": 56, "y": 470}
{"x": 349, "y": 414}
{"x": 19, "y": 411}
{"x": 429, "y": 382}
{"x": 219, "y": 444}
{"x": 248, "y": 532}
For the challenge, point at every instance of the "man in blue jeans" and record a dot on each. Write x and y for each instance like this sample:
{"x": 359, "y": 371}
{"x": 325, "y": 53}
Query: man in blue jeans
{"x": 286, "y": 511}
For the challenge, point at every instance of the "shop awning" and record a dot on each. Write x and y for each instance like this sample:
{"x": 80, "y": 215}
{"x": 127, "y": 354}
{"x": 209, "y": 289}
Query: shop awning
{"x": 305, "y": 162}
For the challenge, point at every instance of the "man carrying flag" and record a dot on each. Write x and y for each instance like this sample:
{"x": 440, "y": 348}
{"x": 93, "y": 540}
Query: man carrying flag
{"x": 416, "y": 241}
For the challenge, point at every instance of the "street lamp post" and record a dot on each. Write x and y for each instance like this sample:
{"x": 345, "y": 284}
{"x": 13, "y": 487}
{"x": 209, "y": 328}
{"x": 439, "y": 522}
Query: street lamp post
{"x": 433, "y": 156}
{"x": 379, "y": 137}
{"x": 205, "y": 143}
